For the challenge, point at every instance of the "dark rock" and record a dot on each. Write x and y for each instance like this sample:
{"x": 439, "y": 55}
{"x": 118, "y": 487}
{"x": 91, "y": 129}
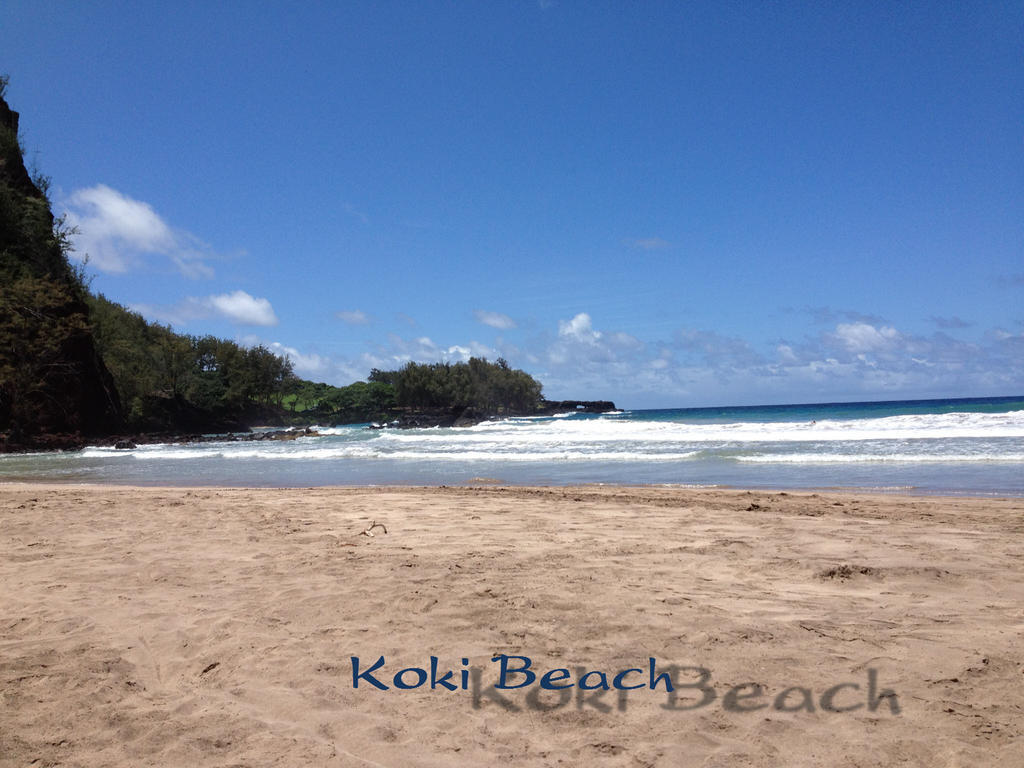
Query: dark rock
{"x": 43, "y": 442}
{"x": 124, "y": 445}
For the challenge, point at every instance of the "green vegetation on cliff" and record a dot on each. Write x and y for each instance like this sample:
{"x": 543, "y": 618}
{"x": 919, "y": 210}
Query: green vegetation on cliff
{"x": 52, "y": 379}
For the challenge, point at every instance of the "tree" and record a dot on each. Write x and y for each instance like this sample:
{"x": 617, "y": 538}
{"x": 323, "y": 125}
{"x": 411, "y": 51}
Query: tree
{"x": 487, "y": 387}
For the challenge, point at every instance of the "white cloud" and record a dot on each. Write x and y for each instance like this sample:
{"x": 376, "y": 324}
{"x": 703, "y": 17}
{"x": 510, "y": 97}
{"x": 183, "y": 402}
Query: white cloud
{"x": 241, "y": 308}
{"x": 398, "y": 351}
{"x": 580, "y": 328}
{"x": 494, "y": 319}
{"x": 114, "y": 231}
{"x": 950, "y": 323}
{"x": 305, "y": 365}
{"x": 582, "y": 359}
{"x": 786, "y": 354}
{"x": 863, "y": 337}
{"x": 161, "y": 314}
{"x": 111, "y": 226}
{"x": 624, "y": 341}
{"x": 194, "y": 269}
{"x": 353, "y": 317}
{"x": 238, "y": 307}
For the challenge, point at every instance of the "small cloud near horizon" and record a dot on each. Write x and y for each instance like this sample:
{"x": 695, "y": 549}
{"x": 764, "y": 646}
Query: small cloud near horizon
{"x": 829, "y": 316}
{"x": 237, "y": 307}
{"x": 353, "y": 317}
{"x": 579, "y": 328}
{"x": 494, "y": 319}
{"x": 950, "y": 323}
{"x": 241, "y": 308}
{"x": 310, "y": 364}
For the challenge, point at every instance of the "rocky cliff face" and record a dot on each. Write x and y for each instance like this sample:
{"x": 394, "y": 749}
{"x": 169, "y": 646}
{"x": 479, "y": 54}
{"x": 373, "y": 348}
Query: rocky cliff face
{"x": 12, "y": 166}
{"x": 52, "y": 380}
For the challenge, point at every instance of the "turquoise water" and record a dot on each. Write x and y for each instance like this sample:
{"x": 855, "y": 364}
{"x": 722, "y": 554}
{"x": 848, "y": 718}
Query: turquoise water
{"x": 963, "y": 446}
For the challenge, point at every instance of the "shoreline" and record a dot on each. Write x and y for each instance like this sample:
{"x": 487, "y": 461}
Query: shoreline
{"x": 486, "y": 484}
{"x": 215, "y": 625}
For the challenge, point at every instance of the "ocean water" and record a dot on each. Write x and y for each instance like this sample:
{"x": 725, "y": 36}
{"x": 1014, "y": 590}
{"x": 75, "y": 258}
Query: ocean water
{"x": 963, "y": 446}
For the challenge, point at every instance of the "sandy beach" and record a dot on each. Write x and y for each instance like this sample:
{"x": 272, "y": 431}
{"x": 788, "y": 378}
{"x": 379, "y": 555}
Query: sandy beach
{"x": 216, "y": 627}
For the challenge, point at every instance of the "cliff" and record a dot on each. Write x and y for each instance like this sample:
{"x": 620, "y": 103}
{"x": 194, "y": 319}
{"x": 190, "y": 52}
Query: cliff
{"x": 54, "y": 387}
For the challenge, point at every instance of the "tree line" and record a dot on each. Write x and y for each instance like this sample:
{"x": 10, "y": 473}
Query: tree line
{"x": 163, "y": 376}
{"x": 490, "y": 388}
{"x": 478, "y": 386}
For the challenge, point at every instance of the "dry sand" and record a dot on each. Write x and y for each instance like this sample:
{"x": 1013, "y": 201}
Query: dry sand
{"x": 214, "y": 627}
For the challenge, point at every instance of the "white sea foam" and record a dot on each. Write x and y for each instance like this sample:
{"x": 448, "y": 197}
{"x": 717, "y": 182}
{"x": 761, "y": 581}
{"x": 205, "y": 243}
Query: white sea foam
{"x": 852, "y": 458}
{"x": 521, "y": 432}
{"x": 340, "y": 430}
{"x": 367, "y": 451}
{"x": 970, "y": 439}
{"x": 97, "y": 452}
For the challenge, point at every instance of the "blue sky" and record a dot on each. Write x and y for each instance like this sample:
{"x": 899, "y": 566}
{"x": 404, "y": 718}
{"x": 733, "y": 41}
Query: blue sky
{"x": 664, "y": 204}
